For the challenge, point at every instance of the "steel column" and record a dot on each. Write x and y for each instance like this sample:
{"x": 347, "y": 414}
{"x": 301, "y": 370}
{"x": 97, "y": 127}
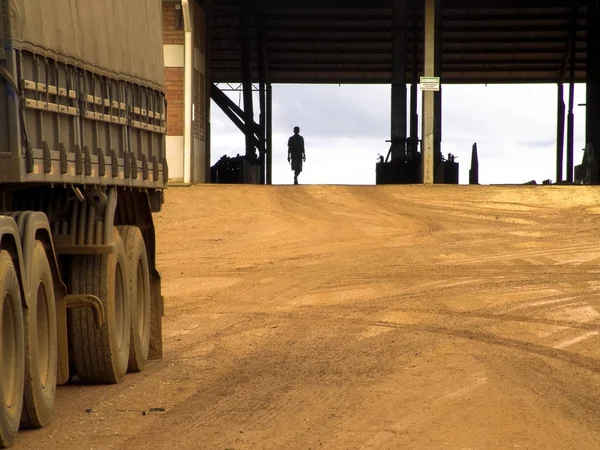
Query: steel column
{"x": 571, "y": 116}
{"x": 263, "y": 130}
{"x": 266, "y": 106}
{"x": 262, "y": 96}
{"x": 593, "y": 78}
{"x": 399, "y": 97}
{"x": 560, "y": 132}
{"x": 414, "y": 115}
{"x": 437, "y": 96}
{"x": 428, "y": 134}
{"x": 207, "y": 89}
{"x": 247, "y": 77}
{"x": 269, "y": 140}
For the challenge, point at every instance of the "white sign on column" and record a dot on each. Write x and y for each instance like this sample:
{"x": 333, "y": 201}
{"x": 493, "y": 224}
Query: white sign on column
{"x": 430, "y": 83}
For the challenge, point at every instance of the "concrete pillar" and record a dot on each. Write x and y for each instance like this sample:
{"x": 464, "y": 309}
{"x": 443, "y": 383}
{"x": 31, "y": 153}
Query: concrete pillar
{"x": 593, "y": 77}
{"x": 399, "y": 97}
{"x": 428, "y": 134}
{"x": 560, "y": 132}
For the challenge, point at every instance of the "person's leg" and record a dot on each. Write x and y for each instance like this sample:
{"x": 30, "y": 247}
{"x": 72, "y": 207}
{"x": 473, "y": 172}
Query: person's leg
{"x": 298, "y": 169}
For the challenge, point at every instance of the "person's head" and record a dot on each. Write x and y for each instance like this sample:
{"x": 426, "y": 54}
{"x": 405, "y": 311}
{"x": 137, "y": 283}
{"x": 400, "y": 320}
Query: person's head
{"x": 296, "y": 130}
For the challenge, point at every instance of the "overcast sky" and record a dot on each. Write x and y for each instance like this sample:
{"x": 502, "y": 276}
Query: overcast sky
{"x": 345, "y": 128}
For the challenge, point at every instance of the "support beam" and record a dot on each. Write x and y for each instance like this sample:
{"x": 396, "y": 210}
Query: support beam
{"x": 571, "y": 116}
{"x": 266, "y": 160}
{"x": 428, "y": 134}
{"x": 593, "y": 78}
{"x": 207, "y": 88}
{"x": 247, "y": 77}
{"x": 262, "y": 93}
{"x": 560, "y": 132}
{"x": 437, "y": 96}
{"x": 414, "y": 115}
{"x": 399, "y": 97}
{"x": 269, "y": 140}
{"x": 237, "y": 116}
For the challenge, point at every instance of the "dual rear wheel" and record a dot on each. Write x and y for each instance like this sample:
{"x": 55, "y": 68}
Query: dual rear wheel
{"x": 28, "y": 347}
{"x": 122, "y": 282}
{"x": 28, "y": 337}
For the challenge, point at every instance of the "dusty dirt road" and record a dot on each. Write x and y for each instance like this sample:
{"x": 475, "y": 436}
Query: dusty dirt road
{"x": 363, "y": 318}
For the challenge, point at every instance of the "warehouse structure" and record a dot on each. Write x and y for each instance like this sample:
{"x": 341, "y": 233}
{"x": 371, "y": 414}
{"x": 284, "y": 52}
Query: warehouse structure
{"x": 255, "y": 43}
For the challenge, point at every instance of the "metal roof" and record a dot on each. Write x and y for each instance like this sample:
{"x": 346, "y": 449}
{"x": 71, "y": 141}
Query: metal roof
{"x": 329, "y": 41}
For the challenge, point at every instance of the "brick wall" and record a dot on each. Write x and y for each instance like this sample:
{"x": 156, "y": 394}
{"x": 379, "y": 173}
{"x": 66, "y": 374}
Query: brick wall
{"x": 174, "y": 83}
{"x": 172, "y": 35}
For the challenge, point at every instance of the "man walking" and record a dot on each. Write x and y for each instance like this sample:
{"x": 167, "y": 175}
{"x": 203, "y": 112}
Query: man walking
{"x": 296, "y": 153}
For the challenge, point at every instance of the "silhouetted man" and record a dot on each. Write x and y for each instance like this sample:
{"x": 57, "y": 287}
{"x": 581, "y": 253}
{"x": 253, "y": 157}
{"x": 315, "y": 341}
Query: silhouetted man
{"x": 296, "y": 153}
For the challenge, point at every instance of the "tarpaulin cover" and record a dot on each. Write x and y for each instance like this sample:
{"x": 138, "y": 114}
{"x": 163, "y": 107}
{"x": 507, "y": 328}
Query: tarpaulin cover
{"x": 118, "y": 38}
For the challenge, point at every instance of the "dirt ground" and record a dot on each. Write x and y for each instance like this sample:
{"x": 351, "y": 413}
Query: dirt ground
{"x": 441, "y": 317}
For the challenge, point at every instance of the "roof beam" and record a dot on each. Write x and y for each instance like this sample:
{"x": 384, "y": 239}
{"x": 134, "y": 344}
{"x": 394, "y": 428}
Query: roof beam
{"x": 358, "y": 39}
{"x": 384, "y": 4}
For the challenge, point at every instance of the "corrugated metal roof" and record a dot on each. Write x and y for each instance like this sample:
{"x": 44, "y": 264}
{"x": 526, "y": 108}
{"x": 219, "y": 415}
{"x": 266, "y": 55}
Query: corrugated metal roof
{"x": 351, "y": 41}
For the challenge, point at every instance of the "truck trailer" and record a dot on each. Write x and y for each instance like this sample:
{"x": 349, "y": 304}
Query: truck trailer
{"x": 82, "y": 169}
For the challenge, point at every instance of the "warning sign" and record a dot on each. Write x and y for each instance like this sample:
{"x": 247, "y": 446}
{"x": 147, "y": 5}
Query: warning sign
{"x": 430, "y": 83}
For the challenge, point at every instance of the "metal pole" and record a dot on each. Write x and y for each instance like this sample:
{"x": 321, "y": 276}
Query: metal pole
{"x": 247, "y": 80}
{"x": 593, "y": 78}
{"x": 269, "y": 143}
{"x": 414, "y": 115}
{"x": 427, "y": 165}
{"x": 571, "y": 117}
{"x": 208, "y": 84}
{"x": 262, "y": 134}
{"x": 437, "y": 96}
{"x": 398, "y": 119}
{"x": 560, "y": 133}
{"x": 262, "y": 95}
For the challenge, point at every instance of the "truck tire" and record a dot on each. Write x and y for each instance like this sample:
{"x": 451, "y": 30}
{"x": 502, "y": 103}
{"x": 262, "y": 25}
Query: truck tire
{"x": 139, "y": 289}
{"x": 101, "y": 356}
{"x": 12, "y": 351}
{"x": 40, "y": 344}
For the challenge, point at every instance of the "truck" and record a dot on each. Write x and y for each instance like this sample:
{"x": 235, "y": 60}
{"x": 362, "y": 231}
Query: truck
{"x": 82, "y": 169}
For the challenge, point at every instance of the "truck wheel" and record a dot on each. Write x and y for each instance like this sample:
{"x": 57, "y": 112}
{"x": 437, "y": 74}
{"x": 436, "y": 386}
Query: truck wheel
{"x": 139, "y": 288}
{"x": 40, "y": 344}
{"x": 12, "y": 351}
{"x": 101, "y": 355}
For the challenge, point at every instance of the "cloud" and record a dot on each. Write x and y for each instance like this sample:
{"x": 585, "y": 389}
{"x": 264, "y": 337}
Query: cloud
{"x": 537, "y": 143}
{"x": 334, "y": 110}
